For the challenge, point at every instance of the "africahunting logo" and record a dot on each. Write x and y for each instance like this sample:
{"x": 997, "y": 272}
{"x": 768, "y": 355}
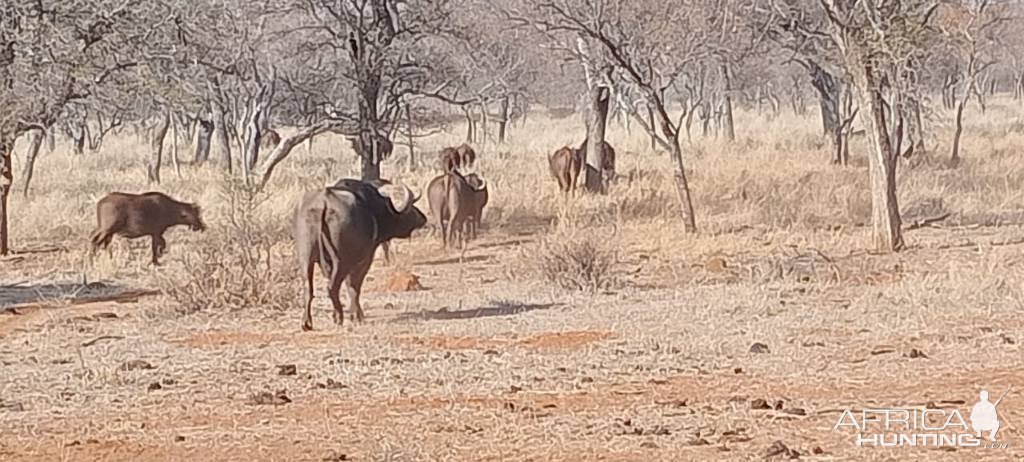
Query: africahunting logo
{"x": 894, "y": 427}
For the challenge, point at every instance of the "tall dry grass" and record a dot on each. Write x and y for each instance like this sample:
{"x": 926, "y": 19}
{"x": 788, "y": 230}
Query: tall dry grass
{"x": 775, "y": 177}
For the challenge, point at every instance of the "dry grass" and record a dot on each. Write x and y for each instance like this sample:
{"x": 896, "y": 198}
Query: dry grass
{"x": 496, "y": 360}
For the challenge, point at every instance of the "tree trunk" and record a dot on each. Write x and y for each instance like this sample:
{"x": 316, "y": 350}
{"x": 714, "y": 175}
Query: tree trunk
{"x": 251, "y": 144}
{"x": 409, "y": 134}
{"x": 484, "y": 126}
{"x": 596, "y": 123}
{"x": 728, "y": 125}
{"x": 6, "y": 180}
{"x": 683, "y": 188}
{"x": 174, "y": 147}
{"x": 220, "y": 136}
{"x": 284, "y": 148}
{"x": 503, "y": 121}
{"x": 1018, "y": 87}
{"x": 470, "y": 125}
{"x": 830, "y": 94}
{"x": 954, "y": 159}
{"x": 157, "y": 148}
{"x": 650, "y": 117}
{"x": 77, "y": 133}
{"x": 204, "y": 135}
{"x": 916, "y": 129}
{"x": 51, "y": 139}
{"x": 35, "y": 142}
{"x": 887, "y": 233}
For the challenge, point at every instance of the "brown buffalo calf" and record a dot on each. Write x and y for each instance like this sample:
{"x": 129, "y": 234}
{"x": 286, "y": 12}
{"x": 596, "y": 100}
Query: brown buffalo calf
{"x": 565, "y": 166}
{"x": 147, "y": 214}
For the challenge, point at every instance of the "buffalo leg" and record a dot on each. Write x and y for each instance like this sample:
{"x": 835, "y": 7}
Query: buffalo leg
{"x": 444, "y": 231}
{"x": 334, "y": 290}
{"x": 101, "y": 238}
{"x": 158, "y": 248}
{"x": 307, "y": 315}
{"x": 354, "y": 285}
{"x": 455, "y": 226}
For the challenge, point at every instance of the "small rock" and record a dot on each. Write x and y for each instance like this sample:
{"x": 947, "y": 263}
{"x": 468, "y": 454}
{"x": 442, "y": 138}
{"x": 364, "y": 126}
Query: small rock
{"x": 915, "y": 353}
{"x": 759, "y": 348}
{"x": 12, "y": 407}
{"x": 1007, "y": 339}
{"x": 778, "y": 405}
{"x": 491, "y": 353}
{"x": 154, "y": 386}
{"x": 778, "y": 449}
{"x": 136, "y": 364}
{"x": 715, "y": 265}
{"x": 402, "y": 281}
{"x": 817, "y": 450}
{"x": 286, "y": 369}
{"x": 336, "y": 457}
{"x": 168, "y": 382}
{"x": 587, "y": 380}
{"x": 179, "y": 438}
{"x": 698, "y": 442}
{"x": 738, "y": 370}
{"x": 649, "y": 445}
{"x": 268, "y": 398}
{"x": 760, "y": 405}
{"x": 515, "y": 389}
{"x": 330, "y": 384}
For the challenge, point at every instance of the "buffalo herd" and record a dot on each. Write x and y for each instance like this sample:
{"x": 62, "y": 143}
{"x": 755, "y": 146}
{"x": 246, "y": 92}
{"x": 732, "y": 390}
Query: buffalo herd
{"x": 340, "y": 226}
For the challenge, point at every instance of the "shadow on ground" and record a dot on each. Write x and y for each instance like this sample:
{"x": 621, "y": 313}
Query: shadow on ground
{"x": 56, "y": 292}
{"x": 496, "y": 308}
{"x": 453, "y": 260}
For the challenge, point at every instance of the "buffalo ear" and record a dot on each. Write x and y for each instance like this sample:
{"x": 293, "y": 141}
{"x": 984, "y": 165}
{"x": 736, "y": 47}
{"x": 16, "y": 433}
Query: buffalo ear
{"x": 400, "y": 196}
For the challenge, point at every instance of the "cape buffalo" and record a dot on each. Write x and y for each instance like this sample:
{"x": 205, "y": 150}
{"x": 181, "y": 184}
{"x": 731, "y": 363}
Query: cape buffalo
{"x": 136, "y": 215}
{"x": 476, "y": 202}
{"x": 607, "y": 159}
{"x": 449, "y": 195}
{"x": 269, "y": 140}
{"x": 339, "y": 227}
{"x": 384, "y": 246}
{"x": 459, "y": 157}
{"x": 565, "y": 166}
{"x": 467, "y": 154}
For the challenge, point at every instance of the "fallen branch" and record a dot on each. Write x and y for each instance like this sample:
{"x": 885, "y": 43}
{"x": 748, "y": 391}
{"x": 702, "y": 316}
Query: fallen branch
{"x": 928, "y": 221}
{"x": 101, "y": 338}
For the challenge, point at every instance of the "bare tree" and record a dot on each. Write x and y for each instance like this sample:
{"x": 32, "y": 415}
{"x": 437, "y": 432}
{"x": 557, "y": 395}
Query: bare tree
{"x": 57, "y": 53}
{"x": 381, "y": 50}
{"x": 968, "y": 26}
{"x": 649, "y": 44}
{"x": 880, "y": 46}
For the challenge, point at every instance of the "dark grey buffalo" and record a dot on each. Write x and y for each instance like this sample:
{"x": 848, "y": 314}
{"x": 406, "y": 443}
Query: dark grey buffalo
{"x": 476, "y": 202}
{"x": 339, "y": 227}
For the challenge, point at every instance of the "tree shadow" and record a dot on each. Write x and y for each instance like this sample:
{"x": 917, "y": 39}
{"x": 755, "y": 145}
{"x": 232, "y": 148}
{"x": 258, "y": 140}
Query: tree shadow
{"x": 448, "y": 261}
{"x": 495, "y": 308}
{"x": 57, "y": 293}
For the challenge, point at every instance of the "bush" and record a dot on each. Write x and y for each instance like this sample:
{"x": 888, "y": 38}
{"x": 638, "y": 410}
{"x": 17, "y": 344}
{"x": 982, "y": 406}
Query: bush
{"x": 233, "y": 266}
{"x": 578, "y": 262}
